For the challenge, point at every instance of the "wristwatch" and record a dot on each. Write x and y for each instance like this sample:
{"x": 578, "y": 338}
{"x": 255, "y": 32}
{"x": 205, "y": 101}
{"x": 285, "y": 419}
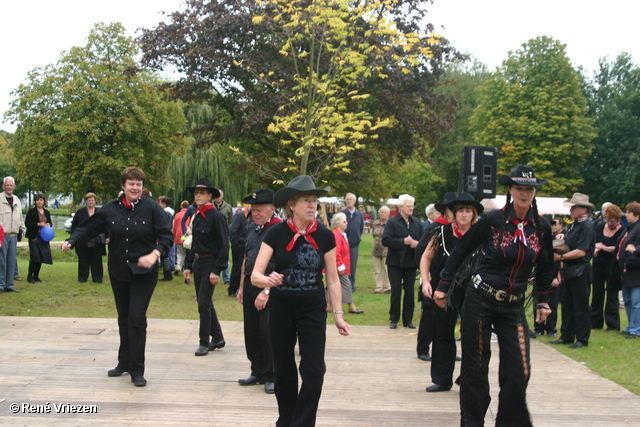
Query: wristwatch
{"x": 266, "y": 291}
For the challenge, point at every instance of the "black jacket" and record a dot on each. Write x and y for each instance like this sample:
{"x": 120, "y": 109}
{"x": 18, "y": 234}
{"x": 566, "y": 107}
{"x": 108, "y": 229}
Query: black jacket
{"x": 133, "y": 233}
{"x": 31, "y": 221}
{"x": 399, "y": 254}
{"x": 210, "y": 236}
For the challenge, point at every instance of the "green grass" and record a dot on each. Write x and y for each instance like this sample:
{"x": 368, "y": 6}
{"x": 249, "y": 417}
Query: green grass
{"x": 60, "y": 295}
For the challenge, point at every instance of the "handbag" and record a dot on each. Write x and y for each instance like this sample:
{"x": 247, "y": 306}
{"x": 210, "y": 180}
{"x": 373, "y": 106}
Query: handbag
{"x": 188, "y": 240}
{"x": 574, "y": 271}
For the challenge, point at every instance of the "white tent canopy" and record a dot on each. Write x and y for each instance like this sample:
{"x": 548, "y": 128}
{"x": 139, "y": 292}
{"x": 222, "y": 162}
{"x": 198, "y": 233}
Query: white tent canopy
{"x": 546, "y": 205}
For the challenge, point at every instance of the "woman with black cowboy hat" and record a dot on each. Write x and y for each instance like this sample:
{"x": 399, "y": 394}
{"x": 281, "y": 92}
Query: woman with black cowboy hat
{"x": 299, "y": 248}
{"x": 580, "y": 240}
{"x": 465, "y": 211}
{"x": 208, "y": 258}
{"x": 513, "y": 241}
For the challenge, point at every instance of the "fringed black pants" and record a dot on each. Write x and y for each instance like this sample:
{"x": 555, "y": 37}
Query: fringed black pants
{"x": 480, "y": 313}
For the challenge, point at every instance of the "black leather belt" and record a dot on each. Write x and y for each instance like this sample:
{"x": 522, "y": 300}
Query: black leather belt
{"x": 497, "y": 293}
{"x": 198, "y": 256}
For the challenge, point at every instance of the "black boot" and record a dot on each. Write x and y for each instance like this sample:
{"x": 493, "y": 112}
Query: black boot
{"x": 36, "y": 272}
{"x": 30, "y": 278}
{"x": 167, "y": 276}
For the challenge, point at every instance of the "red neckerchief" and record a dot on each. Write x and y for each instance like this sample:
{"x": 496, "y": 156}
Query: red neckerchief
{"x": 456, "y": 230}
{"x": 203, "y": 209}
{"x": 313, "y": 226}
{"x": 129, "y": 205}
{"x": 441, "y": 220}
{"x": 614, "y": 227}
{"x": 620, "y": 245}
{"x": 519, "y": 234}
{"x": 275, "y": 218}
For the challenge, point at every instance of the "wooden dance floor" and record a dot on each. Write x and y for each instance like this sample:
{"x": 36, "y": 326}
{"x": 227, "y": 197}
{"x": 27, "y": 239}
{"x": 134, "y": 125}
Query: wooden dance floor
{"x": 373, "y": 379}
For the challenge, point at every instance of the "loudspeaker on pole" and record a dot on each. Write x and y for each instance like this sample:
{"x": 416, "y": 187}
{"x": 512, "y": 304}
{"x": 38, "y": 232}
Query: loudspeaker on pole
{"x": 479, "y": 168}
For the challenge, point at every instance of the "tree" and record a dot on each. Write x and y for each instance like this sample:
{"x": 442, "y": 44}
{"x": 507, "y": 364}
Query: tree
{"x": 612, "y": 173}
{"x": 463, "y": 80}
{"x": 82, "y": 121}
{"x": 533, "y": 109}
{"x": 308, "y": 83}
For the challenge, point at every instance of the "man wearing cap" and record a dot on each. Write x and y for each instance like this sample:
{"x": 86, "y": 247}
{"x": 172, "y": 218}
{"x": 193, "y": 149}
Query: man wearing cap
{"x": 254, "y": 299}
{"x": 209, "y": 256}
{"x": 581, "y": 241}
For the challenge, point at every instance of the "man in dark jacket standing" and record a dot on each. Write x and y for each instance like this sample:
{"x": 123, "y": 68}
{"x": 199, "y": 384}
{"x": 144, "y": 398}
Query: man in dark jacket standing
{"x": 254, "y": 300}
{"x": 355, "y": 221}
{"x": 209, "y": 256}
{"x": 401, "y": 236}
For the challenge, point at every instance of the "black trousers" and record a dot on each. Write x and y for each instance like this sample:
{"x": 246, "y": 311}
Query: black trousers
{"x": 576, "y": 316}
{"x": 209, "y": 324}
{"x": 604, "y": 295}
{"x": 401, "y": 279}
{"x": 479, "y": 313}
{"x": 90, "y": 258}
{"x": 551, "y": 322}
{"x": 256, "y": 334}
{"x": 132, "y": 301}
{"x": 443, "y": 355}
{"x": 425, "y": 329}
{"x": 302, "y": 319}
{"x": 237, "y": 256}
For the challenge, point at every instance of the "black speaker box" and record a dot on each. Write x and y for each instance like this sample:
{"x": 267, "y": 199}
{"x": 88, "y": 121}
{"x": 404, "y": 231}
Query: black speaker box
{"x": 478, "y": 175}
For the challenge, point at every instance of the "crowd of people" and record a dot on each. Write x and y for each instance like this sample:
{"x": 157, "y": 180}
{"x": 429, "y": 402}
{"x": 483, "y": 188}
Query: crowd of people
{"x": 292, "y": 263}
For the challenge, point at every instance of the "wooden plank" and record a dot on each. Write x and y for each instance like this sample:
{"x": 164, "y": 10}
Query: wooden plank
{"x": 373, "y": 379}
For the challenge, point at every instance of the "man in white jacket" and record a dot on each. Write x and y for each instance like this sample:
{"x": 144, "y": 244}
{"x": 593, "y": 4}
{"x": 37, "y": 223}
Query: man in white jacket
{"x": 14, "y": 229}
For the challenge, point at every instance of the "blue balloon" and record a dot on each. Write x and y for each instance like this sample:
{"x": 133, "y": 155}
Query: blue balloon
{"x": 46, "y": 233}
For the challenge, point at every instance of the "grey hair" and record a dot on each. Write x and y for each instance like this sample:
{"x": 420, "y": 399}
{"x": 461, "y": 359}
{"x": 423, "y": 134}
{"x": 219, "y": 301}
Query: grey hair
{"x": 4, "y": 180}
{"x": 404, "y": 198}
{"x": 384, "y": 208}
{"x": 430, "y": 210}
{"x": 337, "y": 218}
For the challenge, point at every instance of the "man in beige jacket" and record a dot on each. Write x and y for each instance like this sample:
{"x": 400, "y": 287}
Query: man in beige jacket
{"x": 14, "y": 229}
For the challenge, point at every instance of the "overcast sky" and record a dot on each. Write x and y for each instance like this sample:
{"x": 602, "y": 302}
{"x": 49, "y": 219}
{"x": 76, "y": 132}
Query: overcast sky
{"x": 33, "y": 33}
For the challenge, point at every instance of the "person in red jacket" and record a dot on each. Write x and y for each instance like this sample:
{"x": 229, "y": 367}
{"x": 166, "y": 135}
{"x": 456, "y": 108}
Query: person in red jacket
{"x": 343, "y": 260}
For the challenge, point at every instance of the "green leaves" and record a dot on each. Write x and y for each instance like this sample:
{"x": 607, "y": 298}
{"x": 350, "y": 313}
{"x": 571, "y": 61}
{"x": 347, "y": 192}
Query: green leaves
{"x": 533, "y": 109}
{"x": 91, "y": 115}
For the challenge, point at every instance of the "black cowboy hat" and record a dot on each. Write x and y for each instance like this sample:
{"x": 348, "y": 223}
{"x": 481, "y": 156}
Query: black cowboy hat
{"x": 465, "y": 199}
{"x": 206, "y": 184}
{"x": 522, "y": 175}
{"x": 448, "y": 197}
{"x": 302, "y": 184}
{"x": 262, "y": 196}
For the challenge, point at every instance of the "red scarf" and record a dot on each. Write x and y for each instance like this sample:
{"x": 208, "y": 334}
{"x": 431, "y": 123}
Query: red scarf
{"x": 519, "y": 234}
{"x": 203, "y": 209}
{"x": 614, "y": 227}
{"x": 456, "y": 230}
{"x": 129, "y": 205}
{"x": 275, "y": 218}
{"x": 441, "y": 220}
{"x": 313, "y": 226}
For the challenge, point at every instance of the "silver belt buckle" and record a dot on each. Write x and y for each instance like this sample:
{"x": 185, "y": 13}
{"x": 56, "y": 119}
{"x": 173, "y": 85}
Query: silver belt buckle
{"x": 477, "y": 280}
{"x": 502, "y": 295}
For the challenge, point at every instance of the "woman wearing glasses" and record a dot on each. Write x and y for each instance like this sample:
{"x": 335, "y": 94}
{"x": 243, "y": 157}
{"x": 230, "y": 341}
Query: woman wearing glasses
{"x": 299, "y": 249}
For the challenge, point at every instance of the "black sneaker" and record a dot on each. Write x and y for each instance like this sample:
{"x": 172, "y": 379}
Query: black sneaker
{"x": 138, "y": 381}
{"x": 116, "y": 372}
{"x": 219, "y": 344}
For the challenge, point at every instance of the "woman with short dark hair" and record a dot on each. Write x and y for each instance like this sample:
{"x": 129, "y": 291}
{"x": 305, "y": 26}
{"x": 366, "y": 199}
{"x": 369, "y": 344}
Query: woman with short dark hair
{"x": 139, "y": 233}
